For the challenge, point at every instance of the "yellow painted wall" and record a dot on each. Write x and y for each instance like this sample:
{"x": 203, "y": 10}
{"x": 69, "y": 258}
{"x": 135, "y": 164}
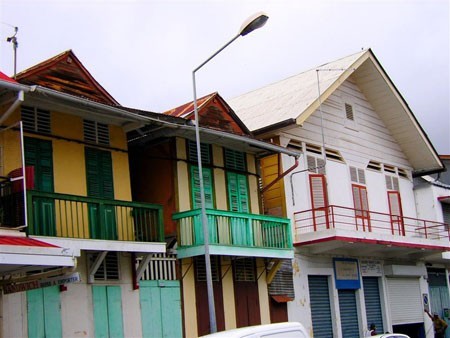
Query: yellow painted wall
{"x": 190, "y": 312}
{"x": 228, "y": 293}
{"x": 263, "y": 291}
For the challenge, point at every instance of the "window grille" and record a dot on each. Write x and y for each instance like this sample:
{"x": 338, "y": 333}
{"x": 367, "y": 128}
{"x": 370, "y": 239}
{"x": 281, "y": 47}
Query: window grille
{"x": 35, "y": 120}
{"x": 235, "y": 160}
{"x": 161, "y": 267}
{"x": 200, "y": 268}
{"x": 96, "y": 132}
{"x": 108, "y": 269}
{"x": 205, "y": 152}
{"x": 312, "y": 148}
{"x": 244, "y": 270}
{"x": 373, "y": 165}
{"x": 334, "y": 155}
{"x": 389, "y": 169}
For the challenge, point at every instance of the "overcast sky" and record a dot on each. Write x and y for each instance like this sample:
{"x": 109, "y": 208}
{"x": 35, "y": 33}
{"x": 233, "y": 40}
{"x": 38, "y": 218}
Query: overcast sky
{"x": 143, "y": 51}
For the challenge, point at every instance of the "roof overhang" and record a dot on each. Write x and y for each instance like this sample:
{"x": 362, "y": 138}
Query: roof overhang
{"x": 19, "y": 254}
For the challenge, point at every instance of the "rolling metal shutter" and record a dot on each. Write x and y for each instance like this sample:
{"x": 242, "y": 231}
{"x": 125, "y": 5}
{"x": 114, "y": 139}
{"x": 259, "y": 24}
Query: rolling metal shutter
{"x": 373, "y": 303}
{"x": 349, "y": 313}
{"x": 405, "y": 300}
{"x": 320, "y": 306}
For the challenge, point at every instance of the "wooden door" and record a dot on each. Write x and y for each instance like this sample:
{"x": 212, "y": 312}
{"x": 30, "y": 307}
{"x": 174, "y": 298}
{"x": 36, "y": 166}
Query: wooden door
{"x": 201, "y": 295}
{"x": 160, "y": 308}
{"x": 319, "y": 201}
{"x": 246, "y": 294}
{"x": 108, "y": 319}
{"x": 396, "y": 213}
{"x": 361, "y": 203}
{"x": 44, "y": 313}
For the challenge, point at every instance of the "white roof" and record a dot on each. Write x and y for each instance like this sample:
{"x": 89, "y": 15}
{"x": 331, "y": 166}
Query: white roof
{"x": 289, "y": 98}
{"x": 296, "y": 98}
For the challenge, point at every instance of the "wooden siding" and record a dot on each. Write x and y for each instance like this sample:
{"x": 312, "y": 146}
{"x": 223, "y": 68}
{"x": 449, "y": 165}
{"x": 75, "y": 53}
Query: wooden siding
{"x": 368, "y": 139}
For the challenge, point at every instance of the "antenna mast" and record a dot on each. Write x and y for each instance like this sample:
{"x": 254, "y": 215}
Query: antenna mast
{"x": 13, "y": 40}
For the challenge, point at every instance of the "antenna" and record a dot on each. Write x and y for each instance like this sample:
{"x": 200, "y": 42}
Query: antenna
{"x": 15, "y": 44}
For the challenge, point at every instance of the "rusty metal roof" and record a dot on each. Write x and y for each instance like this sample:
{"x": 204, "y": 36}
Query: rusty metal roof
{"x": 214, "y": 112}
{"x": 66, "y": 74}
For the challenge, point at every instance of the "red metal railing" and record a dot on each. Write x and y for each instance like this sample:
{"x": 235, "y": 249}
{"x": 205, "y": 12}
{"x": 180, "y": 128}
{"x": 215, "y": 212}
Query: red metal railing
{"x": 338, "y": 217}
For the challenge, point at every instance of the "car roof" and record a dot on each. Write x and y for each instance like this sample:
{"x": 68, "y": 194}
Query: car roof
{"x": 390, "y": 335}
{"x": 244, "y": 331}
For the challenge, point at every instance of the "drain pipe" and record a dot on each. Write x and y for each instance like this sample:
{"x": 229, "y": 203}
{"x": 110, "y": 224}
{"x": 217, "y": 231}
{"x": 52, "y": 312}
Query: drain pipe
{"x": 12, "y": 108}
{"x": 280, "y": 176}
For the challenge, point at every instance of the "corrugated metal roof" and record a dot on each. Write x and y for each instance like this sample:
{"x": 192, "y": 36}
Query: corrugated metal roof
{"x": 289, "y": 98}
{"x": 5, "y": 77}
{"x": 24, "y": 241}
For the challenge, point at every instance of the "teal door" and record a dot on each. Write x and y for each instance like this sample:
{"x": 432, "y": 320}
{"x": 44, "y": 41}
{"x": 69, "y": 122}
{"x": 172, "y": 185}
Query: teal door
{"x": 160, "y": 308}
{"x": 108, "y": 322}
{"x": 238, "y": 202}
{"x": 44, "y": 313}
{"x": 39, "y": 154}
{"x": 99, "y": 176}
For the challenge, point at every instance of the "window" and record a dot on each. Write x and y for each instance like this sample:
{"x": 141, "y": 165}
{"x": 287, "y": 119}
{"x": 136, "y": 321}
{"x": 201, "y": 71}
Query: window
{"x": 205, "y": 151}
{"x": 357, "y": 175}
{"x": 319, "y": 201}
{"x": 235, "y": 160}
{"x": 35, "y": 120}
{"x": 374, "y": 165}
{"x": 96, "y": 132}
{"x": 333, "y": 155}
{"x": 361, "y": 204}
{"x": 109, "y": 267}
{"x": 315, "y": 164}
{"x": 392, "y": 183}
{"x": 244, "y": 270}
{"x": 200, "y": 268}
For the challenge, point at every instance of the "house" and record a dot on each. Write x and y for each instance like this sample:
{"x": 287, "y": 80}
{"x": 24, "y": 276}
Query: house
{"x": 362, "y": 246}
{"x": 250, "y": 253}
{"x": 74, "y": 246}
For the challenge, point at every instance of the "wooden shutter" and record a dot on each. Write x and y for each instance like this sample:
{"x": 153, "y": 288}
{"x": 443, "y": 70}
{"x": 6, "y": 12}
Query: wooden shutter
{"x": 319, "y": 201}
{"x": 235, "y": 160}
{"x": 108, "y": 319}
{"x": 237, "y": 192}
{"x": 396, "y": 213}
{"x": 39, "y": 154}
{"x": 361, "y": 205}
{"x": 207, "y": 187}
{"x": 44, "y": 312}
{"x": 99, "y": 173}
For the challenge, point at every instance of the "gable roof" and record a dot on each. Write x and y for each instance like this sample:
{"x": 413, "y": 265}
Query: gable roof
{"x": 214, "y": 112}
{"x": 5, "y": 77}
{"x": 293, "y": 100}
{"x": 65, "y": 73}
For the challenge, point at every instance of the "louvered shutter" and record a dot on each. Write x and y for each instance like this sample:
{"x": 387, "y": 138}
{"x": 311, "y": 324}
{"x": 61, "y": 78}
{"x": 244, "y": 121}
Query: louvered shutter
{"x": 207, "y": 187}
{"x": 319, "y": 201}
{"x": 235, "y": 160}
{"x": 405, "y": 300}
{"x": 237, "y": 192}
{"x": 204, "y": 151}
{"x": 99, "y": 173}
{"x": 396, "y": 213}
{"x": 39, "y": 154}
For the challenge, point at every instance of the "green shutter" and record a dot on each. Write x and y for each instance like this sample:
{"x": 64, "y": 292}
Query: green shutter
{"x": 207, "y": 185}
{"x": 39, "y": 154}
{"x": 237, "y": 192}
{"x": 99, "y": 173}
{"x": 99, "y": 177}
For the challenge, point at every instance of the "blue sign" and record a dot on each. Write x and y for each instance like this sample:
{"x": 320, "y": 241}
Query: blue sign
{"x": 346, "y": 273}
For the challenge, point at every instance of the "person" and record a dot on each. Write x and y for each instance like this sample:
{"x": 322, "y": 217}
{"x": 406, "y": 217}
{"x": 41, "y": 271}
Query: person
{"x": 373, "y": 329}
{"x": 439, "y": 325}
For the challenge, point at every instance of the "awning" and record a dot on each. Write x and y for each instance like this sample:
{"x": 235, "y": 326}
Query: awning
{"x": 19, "y": 254}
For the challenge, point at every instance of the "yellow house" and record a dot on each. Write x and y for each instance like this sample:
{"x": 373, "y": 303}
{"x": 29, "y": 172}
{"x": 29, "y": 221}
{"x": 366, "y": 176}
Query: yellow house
{"x": 248, "y": 251}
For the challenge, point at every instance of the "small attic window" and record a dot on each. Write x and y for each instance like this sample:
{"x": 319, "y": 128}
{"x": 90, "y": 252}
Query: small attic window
{"x": 389, "y": 169}
{"x": 373, "y": 165}
{"x": 35, "y": 120}
{"x": 333, "y": 155}
{"x": 349, "y": 112}
{"x": 312, "y": 148}
{"x": 402, "y": 173}
{"x": 296, "y": 145}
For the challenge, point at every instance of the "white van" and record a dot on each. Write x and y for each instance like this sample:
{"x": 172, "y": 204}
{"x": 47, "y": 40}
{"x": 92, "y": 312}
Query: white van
{"x": 279, "y": 330}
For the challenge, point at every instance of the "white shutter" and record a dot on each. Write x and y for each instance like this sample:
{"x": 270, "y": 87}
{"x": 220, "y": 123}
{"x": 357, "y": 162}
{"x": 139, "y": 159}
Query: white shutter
{"x": 405, "y": 300}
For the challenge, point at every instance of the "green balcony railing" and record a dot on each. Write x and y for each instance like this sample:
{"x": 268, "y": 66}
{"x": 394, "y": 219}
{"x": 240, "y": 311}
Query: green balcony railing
{"x": 61, "y": 215}
{"x": 229, "y": 228}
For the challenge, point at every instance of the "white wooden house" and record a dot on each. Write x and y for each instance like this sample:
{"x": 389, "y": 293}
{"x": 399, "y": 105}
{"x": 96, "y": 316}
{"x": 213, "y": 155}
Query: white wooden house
{"x": 361, "y": 248}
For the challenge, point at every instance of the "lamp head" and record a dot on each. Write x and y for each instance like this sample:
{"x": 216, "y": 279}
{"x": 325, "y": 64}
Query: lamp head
{"x": 255, "y": 21}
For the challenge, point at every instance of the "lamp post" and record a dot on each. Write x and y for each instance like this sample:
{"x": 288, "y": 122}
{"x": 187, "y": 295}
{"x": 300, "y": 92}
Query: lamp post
{"x": 254, "y": 22}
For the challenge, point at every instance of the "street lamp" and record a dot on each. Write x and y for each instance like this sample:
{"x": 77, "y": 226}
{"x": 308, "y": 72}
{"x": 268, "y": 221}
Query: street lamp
{"x": 254, "y": 22}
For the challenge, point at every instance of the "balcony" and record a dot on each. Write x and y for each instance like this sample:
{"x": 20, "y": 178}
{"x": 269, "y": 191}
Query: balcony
{"x": 234, "y": 234}
{"x": 340, "y": 230}
{"x": 78, "y": 217}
